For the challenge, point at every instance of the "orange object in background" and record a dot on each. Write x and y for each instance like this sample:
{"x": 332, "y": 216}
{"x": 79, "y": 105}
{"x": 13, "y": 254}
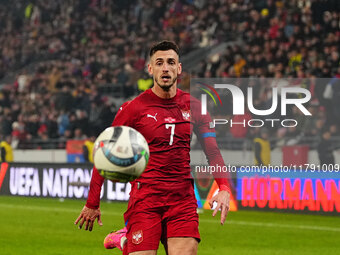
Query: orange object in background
{"x": 213, "y": 191}
{"x": 74, "y": 150}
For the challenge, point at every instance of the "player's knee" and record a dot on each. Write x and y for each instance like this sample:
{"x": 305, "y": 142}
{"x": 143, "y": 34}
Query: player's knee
{"x": 183, "y": 246}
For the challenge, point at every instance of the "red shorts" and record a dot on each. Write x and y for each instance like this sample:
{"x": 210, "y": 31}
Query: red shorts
{"x": 158, "y": 212}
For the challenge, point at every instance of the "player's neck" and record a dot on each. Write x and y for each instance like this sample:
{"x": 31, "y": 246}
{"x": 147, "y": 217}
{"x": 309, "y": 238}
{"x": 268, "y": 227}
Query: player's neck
{"x": 158, "y": 91}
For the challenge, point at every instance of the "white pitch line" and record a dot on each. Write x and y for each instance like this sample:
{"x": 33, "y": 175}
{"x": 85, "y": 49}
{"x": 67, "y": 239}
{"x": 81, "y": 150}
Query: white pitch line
{"x": 275, "y": 225}
{"x": 233, "y": 222}
{"x": 54, "y": 209}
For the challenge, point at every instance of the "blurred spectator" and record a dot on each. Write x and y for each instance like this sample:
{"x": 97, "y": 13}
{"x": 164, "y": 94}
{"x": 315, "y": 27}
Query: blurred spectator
{"x": 78, "y": 134}
{"x": 63, "y": 123}
{"x": 262, "y": 150}
{"x": 325, "y": 149}
{"x": 88, "y": 149}
{"x": 82, "y": 122}
{"x": 67, "y": 135}
{"x": 334, "y": 130}
{"x": 64, "y": 100}
{"x": 6, "y": 152}
{"x": 5, "y": 123}
{"x": 145, "y": 82}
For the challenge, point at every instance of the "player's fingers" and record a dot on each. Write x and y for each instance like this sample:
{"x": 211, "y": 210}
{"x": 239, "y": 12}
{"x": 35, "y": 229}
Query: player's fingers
{"x": 211, "y": 202}
{"x": 87, "y": 224}
{"x": 224, "y": 212}
{"x": 224, "y": 218}
{"x": 77, "y": 220}
{"x": 81, "y": 223}
{"x": 91, "y": 225}
{"x": 216, "y": 209}
{"x": 100, "y": 220}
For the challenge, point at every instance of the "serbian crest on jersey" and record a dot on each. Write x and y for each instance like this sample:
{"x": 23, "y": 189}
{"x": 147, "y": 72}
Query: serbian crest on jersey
{"x": 186, "y": 114}
{"x": 137, "y": 237}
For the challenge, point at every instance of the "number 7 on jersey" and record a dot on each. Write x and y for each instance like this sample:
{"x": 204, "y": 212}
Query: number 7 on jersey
{"x": 172, "y": 126}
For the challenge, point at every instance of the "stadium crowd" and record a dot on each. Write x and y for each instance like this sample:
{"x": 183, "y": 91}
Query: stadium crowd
{"x": 66, "y": 53}
{"x": 298, "y": 40}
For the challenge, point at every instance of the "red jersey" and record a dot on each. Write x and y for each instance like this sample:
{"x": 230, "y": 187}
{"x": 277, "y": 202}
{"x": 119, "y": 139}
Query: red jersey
{"x": 167, "y": 125}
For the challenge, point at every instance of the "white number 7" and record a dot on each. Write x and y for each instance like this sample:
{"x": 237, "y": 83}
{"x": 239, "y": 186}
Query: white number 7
{"x": 172, "y": 126}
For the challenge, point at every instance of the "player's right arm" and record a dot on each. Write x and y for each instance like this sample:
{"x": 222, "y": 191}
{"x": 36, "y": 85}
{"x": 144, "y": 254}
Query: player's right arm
{"x": 91, "y": 211}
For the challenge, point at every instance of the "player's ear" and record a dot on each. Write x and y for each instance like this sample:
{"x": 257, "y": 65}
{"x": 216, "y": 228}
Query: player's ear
{"x": 179, "y": 70}
{"x": 150, "y": 69}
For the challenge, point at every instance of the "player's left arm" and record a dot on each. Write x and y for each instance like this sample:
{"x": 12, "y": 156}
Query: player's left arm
{"x": 214, "y": 157}
{"x": 91, "y": 210}
{"x": 207, "y": 138}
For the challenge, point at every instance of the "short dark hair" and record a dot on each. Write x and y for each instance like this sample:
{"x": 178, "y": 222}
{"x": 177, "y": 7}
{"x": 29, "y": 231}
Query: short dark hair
{"x": 164, "y": 46}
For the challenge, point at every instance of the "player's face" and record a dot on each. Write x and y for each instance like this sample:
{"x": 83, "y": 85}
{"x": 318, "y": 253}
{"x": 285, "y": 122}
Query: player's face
{"x": 165, "y": 67}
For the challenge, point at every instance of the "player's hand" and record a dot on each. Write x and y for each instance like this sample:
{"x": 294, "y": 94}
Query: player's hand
{"x": 222, "y": 199}
{"x": 88, "y": 216}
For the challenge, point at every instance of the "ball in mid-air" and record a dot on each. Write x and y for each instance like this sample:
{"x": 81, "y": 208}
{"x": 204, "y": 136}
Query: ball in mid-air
{"x": 120, "y": 153}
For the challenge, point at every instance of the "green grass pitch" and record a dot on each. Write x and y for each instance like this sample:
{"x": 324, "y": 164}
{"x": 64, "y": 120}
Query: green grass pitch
{"x": 45, "y": 226}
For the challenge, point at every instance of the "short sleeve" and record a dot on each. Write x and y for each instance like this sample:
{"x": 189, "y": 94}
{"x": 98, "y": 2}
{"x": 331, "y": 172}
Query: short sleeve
{"x": 126, "y": 115}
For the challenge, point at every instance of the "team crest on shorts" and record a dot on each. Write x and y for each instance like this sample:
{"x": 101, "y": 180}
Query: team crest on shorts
{"x": 137, "y": 237}
{"x": 186, "y": 115}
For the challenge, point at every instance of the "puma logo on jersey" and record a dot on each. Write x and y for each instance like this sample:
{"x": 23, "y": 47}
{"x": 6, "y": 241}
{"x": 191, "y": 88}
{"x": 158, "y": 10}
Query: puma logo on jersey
{"x": 150, "y": 116}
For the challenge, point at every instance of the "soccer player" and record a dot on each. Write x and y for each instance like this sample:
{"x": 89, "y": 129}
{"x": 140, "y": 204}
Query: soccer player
{"x": 162, "y": 205}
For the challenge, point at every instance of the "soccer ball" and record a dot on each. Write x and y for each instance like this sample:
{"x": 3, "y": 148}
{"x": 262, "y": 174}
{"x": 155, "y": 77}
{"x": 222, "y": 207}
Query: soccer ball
{"x": 120, "y": 153}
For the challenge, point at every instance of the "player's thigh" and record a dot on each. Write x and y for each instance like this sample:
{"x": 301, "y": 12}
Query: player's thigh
{"x": 144, "y": 232}
{"x": 150, "y": 252}
{"x": 182, "y": 245}
{"x": 144, "y": 221}
{"x": 181, "y": 220}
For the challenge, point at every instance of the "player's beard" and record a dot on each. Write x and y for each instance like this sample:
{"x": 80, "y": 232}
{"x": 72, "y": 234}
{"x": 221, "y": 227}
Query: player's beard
{"x": 166, "y": 87}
